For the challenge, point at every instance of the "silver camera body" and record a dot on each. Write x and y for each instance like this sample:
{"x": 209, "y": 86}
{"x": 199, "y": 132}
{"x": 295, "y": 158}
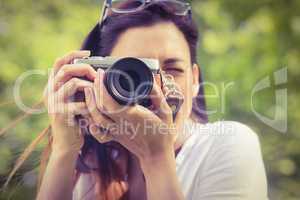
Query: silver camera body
{"x": 108, "y": 61}
{"x": 128, "y": 80}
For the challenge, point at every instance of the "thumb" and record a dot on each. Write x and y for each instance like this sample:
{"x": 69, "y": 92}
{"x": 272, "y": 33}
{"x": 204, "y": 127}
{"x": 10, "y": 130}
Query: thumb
{"x": 161, "y": 107}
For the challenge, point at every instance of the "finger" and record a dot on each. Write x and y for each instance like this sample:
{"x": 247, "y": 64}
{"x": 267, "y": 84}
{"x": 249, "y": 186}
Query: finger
{"x": 96, "y": 114}
{"x": 74, "y": 108}
{"x": 179, "y": 115}
{"x": 59, "y": 63}
{"x": 71, "y": 110}
{"x": 124, "y": 186}
{"x": 159, "y": 102}
{"x": 116, "y": 189}
{"x": 50, "y": 84}
{"x": 106, "y": 103}
{"x": 99, "y": 119}
{"x": 71, "y": 87}
{"x": 84, "y": 120}
{"x": 157, "y": 78}
{"x": 69, "y": 71}
{"x": 100, "y": 134}
{"x": 98, "y": 91}
{"x": 69, "y": 58}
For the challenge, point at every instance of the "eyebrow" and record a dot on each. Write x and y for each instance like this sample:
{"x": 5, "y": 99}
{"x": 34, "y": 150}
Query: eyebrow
{"x": 172, "y": 61}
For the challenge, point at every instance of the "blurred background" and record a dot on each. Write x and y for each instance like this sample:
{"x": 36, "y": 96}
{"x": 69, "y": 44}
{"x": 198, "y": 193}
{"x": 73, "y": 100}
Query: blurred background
{"x": 242, "y": 43}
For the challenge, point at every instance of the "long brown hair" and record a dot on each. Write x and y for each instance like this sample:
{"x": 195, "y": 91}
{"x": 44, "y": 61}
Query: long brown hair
{"x": 101, "y": 43}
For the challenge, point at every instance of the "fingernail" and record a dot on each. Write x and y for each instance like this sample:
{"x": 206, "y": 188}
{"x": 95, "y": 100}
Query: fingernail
{"x": 100, "y": 71}
{"x": 100, "y": 75}
{"x": 124, "y": 185}
{"x": 86, "y": 52}
{"x": 114, "y": 154}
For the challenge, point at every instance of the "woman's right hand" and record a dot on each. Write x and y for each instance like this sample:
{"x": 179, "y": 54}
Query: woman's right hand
{"x": 64, "y": 81}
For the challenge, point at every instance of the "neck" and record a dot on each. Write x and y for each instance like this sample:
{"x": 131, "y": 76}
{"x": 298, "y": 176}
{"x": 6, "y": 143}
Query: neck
{"x": 184, "y": 134}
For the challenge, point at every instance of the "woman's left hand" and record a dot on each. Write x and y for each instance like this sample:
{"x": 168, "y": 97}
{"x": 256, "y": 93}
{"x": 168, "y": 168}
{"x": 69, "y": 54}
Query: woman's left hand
{"x": 144, "y": 132}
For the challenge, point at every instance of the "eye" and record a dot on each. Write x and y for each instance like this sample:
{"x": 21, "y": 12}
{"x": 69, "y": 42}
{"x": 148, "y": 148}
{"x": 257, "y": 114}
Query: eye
{"x": 174, "y": 70}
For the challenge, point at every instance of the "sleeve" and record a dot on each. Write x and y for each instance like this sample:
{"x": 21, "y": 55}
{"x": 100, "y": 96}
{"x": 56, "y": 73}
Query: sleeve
{"x": 234, "y": 168}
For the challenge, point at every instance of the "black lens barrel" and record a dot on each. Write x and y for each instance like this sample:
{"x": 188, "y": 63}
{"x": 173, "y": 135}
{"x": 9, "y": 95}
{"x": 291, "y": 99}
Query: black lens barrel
{"x": 129, "y": 81}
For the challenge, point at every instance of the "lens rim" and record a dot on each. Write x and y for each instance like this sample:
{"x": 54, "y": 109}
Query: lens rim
{"x": 114, "y": 91}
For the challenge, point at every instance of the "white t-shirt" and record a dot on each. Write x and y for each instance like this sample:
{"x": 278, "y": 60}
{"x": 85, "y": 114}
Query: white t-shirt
{"x": 221, "y": 161}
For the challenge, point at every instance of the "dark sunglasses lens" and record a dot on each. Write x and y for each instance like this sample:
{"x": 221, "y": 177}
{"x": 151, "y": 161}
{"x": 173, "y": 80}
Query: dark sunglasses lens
{"x": 126, "y": 5}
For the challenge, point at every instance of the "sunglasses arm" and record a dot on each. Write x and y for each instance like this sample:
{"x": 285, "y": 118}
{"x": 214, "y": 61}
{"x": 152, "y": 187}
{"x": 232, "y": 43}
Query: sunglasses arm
{"x": 106, "y": 3}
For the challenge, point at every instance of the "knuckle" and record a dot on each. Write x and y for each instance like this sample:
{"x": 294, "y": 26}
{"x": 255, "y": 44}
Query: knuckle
{"x": 87, "y": 67}
{"x": 73, "y": 52}
{"x": 75, "y": 82}
{"x": 98, "y": 119}
{"x": 90, "y": 68}
{"x": 57, "y": 61}
{"x": 131, "y": 111}
{"x": 64, "y": 70}
{"x": 70, "y": 54}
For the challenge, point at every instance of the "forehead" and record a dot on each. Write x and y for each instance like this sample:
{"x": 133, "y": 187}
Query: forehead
{"x": 160, "y": 41}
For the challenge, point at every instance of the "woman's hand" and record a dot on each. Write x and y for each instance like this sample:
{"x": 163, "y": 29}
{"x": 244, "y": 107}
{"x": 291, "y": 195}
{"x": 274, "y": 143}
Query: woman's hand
{"x": 146, "y": 133}
{"x": 64, "y": 81}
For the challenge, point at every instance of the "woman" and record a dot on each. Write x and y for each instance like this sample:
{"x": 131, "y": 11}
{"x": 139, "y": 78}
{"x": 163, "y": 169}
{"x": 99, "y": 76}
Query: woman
{"x": 186, "y": 159}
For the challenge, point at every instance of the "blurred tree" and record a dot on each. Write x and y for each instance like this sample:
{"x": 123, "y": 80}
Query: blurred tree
{"x": 242, "y": 42}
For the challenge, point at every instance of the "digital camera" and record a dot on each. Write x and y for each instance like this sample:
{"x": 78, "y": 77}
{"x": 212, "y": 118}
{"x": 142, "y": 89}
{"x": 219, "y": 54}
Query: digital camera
{"x": 128, "y": 80}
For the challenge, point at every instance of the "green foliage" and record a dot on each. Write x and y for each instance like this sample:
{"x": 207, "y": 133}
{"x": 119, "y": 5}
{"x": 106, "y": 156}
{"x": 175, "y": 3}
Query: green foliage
{"x": 242, "y": 42}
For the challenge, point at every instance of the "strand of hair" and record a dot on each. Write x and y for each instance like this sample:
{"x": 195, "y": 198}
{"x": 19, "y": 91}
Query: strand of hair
{"x": 18, "y": 119}
{"x": 25, "y": 155}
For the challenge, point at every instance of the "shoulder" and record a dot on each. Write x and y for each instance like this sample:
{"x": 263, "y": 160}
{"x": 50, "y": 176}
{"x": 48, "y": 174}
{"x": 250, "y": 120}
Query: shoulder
{"x": 227, "y": 142}
{"x": 224, "y": 134}
{"x": 234, "y": 134}
{"x": 227, "y": 160}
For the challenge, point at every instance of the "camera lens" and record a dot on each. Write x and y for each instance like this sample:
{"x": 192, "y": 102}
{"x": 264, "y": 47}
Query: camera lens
{"x": 129, "y": 81}
{"x": 125, "y": 80}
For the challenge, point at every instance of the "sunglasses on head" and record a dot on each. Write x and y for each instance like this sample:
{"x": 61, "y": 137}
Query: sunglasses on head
{"x": 178, "y": 7}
